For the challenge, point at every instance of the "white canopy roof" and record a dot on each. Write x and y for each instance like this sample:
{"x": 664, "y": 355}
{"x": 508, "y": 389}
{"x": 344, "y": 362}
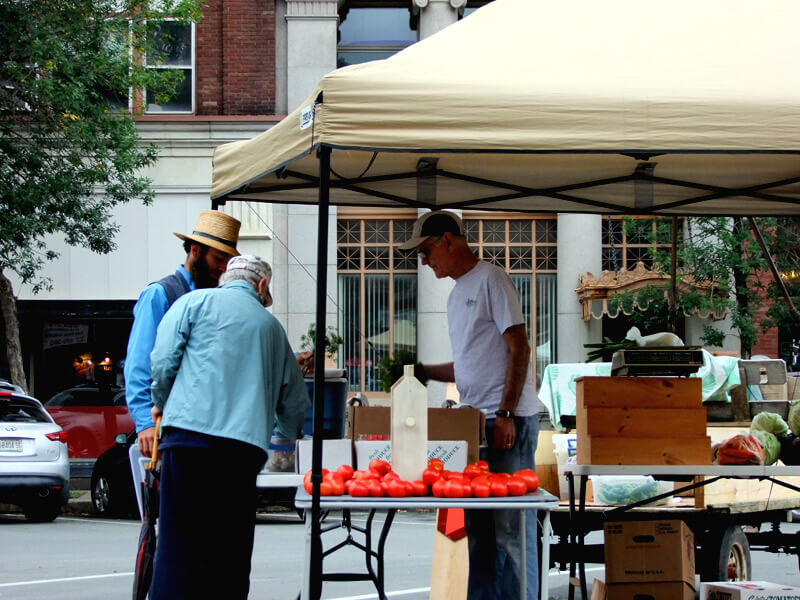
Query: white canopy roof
{"x": 681, "y": 107}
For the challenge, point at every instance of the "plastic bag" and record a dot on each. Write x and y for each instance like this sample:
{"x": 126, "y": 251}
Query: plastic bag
{"x": 741, "y": 449}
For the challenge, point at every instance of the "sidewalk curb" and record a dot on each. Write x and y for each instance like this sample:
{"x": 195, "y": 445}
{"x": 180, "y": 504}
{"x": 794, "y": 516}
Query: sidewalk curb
{"x": 81, "y": 505}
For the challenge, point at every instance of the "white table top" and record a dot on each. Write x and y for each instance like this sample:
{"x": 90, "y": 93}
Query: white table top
{"x": 540, "y": 499}
{"x": 690, "y": 470}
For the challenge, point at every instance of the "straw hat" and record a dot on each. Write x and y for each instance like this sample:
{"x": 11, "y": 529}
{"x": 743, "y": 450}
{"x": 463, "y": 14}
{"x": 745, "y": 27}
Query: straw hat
{"x": 216, "y": 230}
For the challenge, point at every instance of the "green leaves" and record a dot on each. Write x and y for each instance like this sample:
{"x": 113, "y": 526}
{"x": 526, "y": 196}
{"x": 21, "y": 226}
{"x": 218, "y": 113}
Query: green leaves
{"x": 67, "y": 155}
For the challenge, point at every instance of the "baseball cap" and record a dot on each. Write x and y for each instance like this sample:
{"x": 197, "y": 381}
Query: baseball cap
{"x": 433, "y": 224}
{"x": 254, "y": 264}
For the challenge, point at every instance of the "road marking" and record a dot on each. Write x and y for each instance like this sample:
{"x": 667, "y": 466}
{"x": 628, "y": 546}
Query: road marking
{"x": 397, "y": 593}
{"x": 427, "y": 589}
{"x": 102, "y": 521}
{"x": 63, "y": 579}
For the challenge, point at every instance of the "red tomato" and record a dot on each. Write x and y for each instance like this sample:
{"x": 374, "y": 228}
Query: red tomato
{"x": 466, "y": 489}
{"x": 381, "y": 467}
{"x": 498, "y": 488}
{"x": 482, "y": 465}
{"x": 480, "y": 487}
{"x": 420, "y": 487}
{"x": 375, "y": 488}
{"x": 396, "y": 488}
{"x": 337, "y": 484}
{"x": 409, "y": 488}
{"x": 517, "y": 486}
{"x": 431, "y": 476}
{"x": 502, "y": 477}
{"x": 453, "y": 489}
{"x": 325, "y": 488}
{"x": 438, "y": 488}
{"x": 436, "y": 463}
{"x": 358, "y": 489}
{"x": 472, "y": 471}
{"x": 390, "y": 475}
{"x": 364, "y": 475}
{"x": 307, "y": 486}
{"x": 530, "y": 477}
{"x": 307, "y": 476}
{"x": 346, "y": 471}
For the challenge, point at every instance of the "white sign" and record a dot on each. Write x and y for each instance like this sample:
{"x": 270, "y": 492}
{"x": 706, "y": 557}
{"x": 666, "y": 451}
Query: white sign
{"x": 306, "y": 117}
{"x": 62, "y": 334}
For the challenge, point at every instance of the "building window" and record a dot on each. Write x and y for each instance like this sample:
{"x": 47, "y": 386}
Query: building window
{"x": 372, "y": 34}
{"x": 172, "y": 56}
{"x": 377, "y": 295}
{"x": 526, "y": 248}
{"x": 175, "y": 53}
{"x": 628, "y": 240}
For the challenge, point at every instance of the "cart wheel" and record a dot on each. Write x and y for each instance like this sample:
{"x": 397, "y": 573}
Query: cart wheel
{"x": 726, "y": 557}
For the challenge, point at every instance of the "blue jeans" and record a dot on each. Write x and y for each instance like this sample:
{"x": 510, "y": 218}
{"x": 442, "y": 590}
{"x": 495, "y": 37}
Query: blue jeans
{"x": 494, "y": 535}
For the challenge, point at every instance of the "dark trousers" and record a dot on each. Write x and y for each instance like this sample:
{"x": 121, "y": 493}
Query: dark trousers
{"x": 206, "y": 524}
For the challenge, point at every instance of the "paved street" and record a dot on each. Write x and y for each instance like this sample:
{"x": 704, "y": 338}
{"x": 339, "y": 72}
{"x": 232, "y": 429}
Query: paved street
{"x": 77, "y": 558}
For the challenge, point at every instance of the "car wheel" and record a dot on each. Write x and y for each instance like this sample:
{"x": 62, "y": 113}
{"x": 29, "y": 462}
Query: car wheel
{"x": 106, "y": 500}
{"x": 41, "y": 511}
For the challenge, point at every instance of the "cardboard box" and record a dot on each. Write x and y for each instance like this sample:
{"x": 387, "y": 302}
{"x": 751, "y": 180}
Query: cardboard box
{"x": 334, "y": 454}
{"x": 747, "y": 590}
{"x": 443, "y": 424}
{"x": 452, "y": 453}
{"x": 649, "y": 551}
{"x": 659, "y": 590}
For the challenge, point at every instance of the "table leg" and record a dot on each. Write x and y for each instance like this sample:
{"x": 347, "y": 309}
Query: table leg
{"x": 545, "y": 566}
{"x": 571, "y": 536}
{"x": 304, "y": 591}
{"x": 582, "y": 538}
{"x": 523, "y": 558}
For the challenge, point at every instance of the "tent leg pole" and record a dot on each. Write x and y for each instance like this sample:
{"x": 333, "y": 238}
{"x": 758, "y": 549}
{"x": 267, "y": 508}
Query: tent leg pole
{"x": 773, "y": 269}
{"x": 315, "y": 577}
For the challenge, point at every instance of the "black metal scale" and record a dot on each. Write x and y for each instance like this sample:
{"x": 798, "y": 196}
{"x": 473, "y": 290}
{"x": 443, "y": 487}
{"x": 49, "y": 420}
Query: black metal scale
{"x": 657, "y": 361}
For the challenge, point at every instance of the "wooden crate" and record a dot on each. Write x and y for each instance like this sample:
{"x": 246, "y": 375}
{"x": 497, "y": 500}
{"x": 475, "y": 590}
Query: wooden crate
{"x": 641, "y": 421}
{"x": 597, "y": 450}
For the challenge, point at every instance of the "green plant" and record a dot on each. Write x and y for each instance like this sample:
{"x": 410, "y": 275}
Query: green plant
{"x": 390, "y": 369}
{"x": 333, "y": 340}
{"x": 605, "y": 349}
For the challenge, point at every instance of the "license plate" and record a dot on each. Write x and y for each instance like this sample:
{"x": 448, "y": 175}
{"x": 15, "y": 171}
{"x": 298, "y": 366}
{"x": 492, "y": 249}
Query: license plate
{"x": 11, "y": 445}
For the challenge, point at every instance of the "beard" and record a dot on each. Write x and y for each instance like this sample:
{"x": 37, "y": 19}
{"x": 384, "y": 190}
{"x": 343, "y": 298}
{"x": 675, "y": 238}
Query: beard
{"x": 201, "y": 274}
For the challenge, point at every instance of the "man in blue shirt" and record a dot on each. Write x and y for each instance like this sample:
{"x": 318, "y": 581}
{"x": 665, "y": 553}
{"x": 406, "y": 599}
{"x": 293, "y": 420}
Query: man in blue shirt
{"x": 208, "y": 248}
{"x": 224, "y": 375}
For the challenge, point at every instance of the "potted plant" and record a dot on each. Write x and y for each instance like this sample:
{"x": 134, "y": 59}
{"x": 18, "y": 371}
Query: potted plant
{"x": 308, "y": 343}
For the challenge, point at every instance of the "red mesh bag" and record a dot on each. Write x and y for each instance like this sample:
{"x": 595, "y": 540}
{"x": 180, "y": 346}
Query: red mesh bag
{"x": 740, "y": 450}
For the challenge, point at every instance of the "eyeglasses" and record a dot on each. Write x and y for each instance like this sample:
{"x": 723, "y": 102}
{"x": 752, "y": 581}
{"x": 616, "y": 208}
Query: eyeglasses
{"x": 426, "y": 252}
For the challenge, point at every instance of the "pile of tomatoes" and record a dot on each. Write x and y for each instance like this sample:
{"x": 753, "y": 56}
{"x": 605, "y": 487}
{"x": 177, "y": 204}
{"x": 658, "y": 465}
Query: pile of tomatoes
{"x": 379, "y": 480}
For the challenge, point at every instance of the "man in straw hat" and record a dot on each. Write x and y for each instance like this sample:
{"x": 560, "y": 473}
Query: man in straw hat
{"x": 208, "y": 248}
{"x": 224, "y": 375}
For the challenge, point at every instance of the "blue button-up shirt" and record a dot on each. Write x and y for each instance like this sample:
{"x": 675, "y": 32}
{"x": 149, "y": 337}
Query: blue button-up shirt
{"x": 147, "y": 314}
{"x": 222, "y": 366}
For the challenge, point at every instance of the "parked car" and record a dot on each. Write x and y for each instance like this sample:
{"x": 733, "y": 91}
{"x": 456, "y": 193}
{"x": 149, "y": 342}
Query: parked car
{"x": 34, "y": 466}
{"x": 99, "y": 430}
{"x": 112, "y": 483}
{"x": 93, "y": 416}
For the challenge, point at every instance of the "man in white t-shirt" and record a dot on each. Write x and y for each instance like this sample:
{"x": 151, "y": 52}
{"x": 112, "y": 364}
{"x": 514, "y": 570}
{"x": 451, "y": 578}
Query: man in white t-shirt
{"x": 491, "y": 369}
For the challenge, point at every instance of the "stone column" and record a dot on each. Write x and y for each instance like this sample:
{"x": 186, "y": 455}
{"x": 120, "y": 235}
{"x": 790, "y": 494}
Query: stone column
{"x": 435, "y": 15}
{"x": 579, "y": 251}
{"x": 311, "y": 28}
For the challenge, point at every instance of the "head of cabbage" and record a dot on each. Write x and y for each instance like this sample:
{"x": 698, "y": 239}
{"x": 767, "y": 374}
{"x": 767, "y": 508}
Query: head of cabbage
{"x": 794, "y": 417}
{"x": 771, "y": 423}
{"x": 770, "y": 444}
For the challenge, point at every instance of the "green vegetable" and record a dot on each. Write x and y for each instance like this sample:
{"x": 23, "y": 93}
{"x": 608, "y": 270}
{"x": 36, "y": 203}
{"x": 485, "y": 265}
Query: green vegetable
{"x": 794, "y": 417}
{"x": 771, "y": 423}
{"x": 770, "y": 443}
{"x": 626, "y": 492}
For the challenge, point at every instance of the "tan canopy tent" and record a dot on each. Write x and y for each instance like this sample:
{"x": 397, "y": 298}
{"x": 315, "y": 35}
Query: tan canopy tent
{"x": 679, "y": 107}
{"x": 684, "y": 107}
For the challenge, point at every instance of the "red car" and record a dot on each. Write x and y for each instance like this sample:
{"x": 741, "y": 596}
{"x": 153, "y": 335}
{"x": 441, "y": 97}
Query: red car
{"x": 92, "y": 416}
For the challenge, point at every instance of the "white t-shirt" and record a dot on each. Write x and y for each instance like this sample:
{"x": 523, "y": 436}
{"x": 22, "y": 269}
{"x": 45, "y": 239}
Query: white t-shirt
{"x": 483, "y": 304}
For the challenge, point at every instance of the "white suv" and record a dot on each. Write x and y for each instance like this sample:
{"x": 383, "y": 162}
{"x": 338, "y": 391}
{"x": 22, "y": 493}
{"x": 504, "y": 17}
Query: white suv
{"x": 34, "y": 465}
